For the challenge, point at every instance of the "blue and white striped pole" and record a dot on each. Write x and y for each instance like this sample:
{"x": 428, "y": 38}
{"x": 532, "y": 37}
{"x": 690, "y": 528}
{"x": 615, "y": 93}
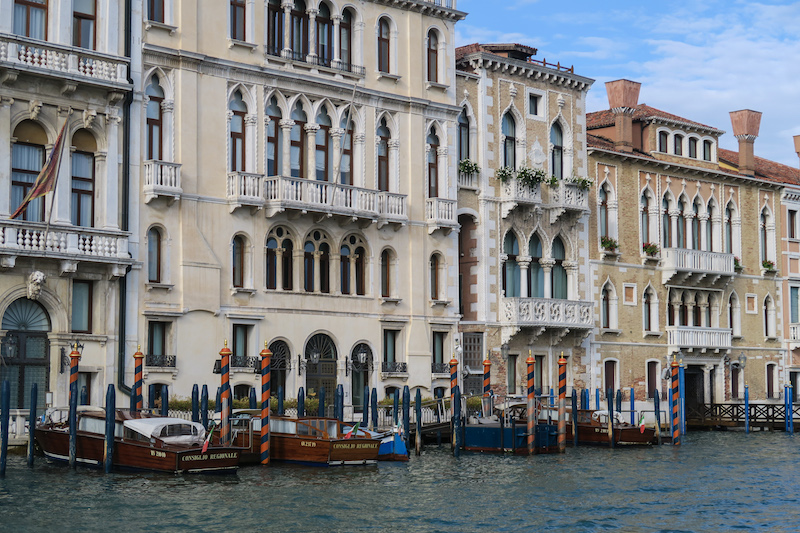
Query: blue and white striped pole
{"x": 746, "y": 408}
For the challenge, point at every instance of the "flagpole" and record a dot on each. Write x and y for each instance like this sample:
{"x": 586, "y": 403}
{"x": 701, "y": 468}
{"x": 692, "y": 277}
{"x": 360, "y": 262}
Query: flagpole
{"x": 59, "y": 146}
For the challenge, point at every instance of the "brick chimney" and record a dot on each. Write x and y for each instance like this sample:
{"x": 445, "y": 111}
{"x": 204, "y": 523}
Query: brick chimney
{"x": 797, "y": 144}
{"x": 745, "y": 128}
{"x": 623, "y": 97}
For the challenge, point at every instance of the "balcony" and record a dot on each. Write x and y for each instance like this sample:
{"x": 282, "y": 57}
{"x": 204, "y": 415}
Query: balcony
{"x": 440, "y": 368}
{"x": 160, "y": 361}
{"x": 244, "y": 363}
{"x": 440, "y": 213}
{"x": 543, "y": 314}
{"x": 74, "y": 65}
{"x": 794, "y": 332}
{"x": 696, "y": 267}
{"x": 568, "y": 199}
{"x": 70, "y": 244}
{"x": 394, "y": 367}
{"x": 245, "y": 190}
{"x": 468, "y": 181}
{"x": 162, "y": 179}
{"x": 515, "y": 193}
{"x": 695, "y": 338}
{"x": 333, "y": 199}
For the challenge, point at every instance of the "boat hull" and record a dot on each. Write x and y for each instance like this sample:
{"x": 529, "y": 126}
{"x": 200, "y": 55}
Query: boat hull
{"x": 326, "y": 452}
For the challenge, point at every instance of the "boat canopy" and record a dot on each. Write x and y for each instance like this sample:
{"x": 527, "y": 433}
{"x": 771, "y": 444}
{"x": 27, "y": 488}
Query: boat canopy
{"x": 170, "y": 430}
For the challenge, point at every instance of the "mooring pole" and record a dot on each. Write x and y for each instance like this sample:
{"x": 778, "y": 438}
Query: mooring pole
{"x": 5, "y": 408}
{"x": 487, "y": 373}
{"x": 633, "y": 409}
{"x": 340, "y": 396}
{"x": 336, "y": 403}
{"x": 562, "y": 404}
{"x": 281, "y": 412}
{"x": 321, "y": 405}
{"x": 32, "y": 423}
{"x": 407, "y": 416}
{"x": 301, "y": 403}
{"x": 252, "y": 401}
{"x": 195, "y": 403}
{"x": 676, "y": 424}
{"x": 682, "y": 391}
{"x": 575, "y": 417}
{"x": 204, "y": 406}
{"x": 265, "y": 354}
{"x": 396, "y": 407}
{"x": 618, "y": 400}
{"x": 225, "y": 395}
{"x": 374, "y": 402}
{"x": 746, "y": 408}
{"x": 151, "y": 397}
{"x": 111, "y": 416}
{"x": 786, "y": 408}
{"x": 531, "y": 362}
{"x": 790, "y": 409}
{"x": 453, "y": 387}
{"x": 365, "y": 413}
{"x": 457, "y": 422}
{"x": 418, "y": 413}
{"x": 138, "y": 359}
{"x": 610, "y": 402}
{"x": 657, "y": 408}
{"x": 74, "y": 359}
{"x": 597, "y": 399}
{"x": 164, "y": 400}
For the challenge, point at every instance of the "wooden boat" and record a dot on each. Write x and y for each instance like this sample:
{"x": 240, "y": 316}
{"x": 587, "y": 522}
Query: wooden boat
{"x": 141, "y": 442}
{"x": 488, "y": 435}
{"x": 593, "y": 429}
{"x": 309, "y": 440}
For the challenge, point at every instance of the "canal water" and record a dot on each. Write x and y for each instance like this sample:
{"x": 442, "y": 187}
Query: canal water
{"x": 714, "y": 482}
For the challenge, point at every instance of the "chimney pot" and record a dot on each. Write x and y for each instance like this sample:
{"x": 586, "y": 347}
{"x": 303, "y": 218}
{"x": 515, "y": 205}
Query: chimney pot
{"x": 623, "y": 93}
{"x": 797, "y": 144}
{"x": 745, "y": 124}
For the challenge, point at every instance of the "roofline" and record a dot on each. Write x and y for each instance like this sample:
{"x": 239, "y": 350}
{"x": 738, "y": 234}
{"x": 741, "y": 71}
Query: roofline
{"x": 435, "y": 8}
{"x": 489, "y": 60}
{"x": 683, "y": 123}
{"x": 697, "y": 170}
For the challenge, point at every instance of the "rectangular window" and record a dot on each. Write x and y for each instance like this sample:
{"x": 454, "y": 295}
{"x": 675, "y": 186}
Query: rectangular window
{"x": 26, "y": 162}
{"x": 734, "y": 382}
{"x": 512, "y": 374}
{"x": 795, "y": 295}
{"x": 707, "y": 150}
{"x": 534, "y": 101}
{"x": 652, "y": 378}
{"x": 299, "y": 37}
{"x": 155, "y": 10}
{"x": 610, "y": 376}
{"x": 439, "y": 338}
{"x": 239, "y": 348}
{"x": 157, "y": 338}
{"x": 390, "y": 345}
{"x": 663, "y": 137}
{"x": 83, "y": 19}
{"x": 237, "y": 20}
{"x": 693, "y": 148}
{"x": 82, "y": 212}
{"x": 538, "y": 376}
{"x": 82, "y": 306}
{"x": 274, "y": 29}
{"x": 792, "y": 224}
{"x": 30, "y": 18}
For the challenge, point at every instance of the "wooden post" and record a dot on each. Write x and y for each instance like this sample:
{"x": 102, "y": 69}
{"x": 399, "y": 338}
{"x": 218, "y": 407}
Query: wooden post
{"x": 138, "y": 359}
{"x": 5, "y": 408}
{"x": 657, "y": 408}
{"x": 633, "y": 409}
{"x": 531, "y": 362}
{"x": 597, "y": 399}
{"x": 575, "y": 418}
{"x": 746, "y": 408}
{"x": 457, "y": 422}
{"x": 407, "y": 416}
{"x": 418, "y": 412}
{"x": 301, "y": 403}
{"x": 374, "y": 402}
{"x": 682, "y": 395}
{"x": 265, "y": 354}
{"x": 610, "y": 402}
{"x": 321, "y": 407}
{"x": 562, "y": 404}
{"x": 365, "y": 413}
{"x": 252, "y": 402}
{"x": 487, "y": 368}
{"x": 32, "y": 423}
{"x": 676, "y": 424}
{"x": 790, "y": 408}
{"x": 281, "y": 412}
{"x": 111, "y": 416}
{"x": 204, "y": 406}
{"x": 195, "y": 404}
{"x": 225, "y": 395}
{"x": 74, "y": 359}
{"x": 396, "y": 407}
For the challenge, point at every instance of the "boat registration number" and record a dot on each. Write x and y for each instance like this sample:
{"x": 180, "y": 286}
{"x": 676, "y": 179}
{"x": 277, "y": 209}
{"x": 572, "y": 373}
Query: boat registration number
{"x": 155, "y": 453}
{"x": 355, "y": 445}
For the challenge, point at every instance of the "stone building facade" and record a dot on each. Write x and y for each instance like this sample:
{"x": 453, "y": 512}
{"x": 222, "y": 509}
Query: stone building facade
{"x": 524, "y": 278}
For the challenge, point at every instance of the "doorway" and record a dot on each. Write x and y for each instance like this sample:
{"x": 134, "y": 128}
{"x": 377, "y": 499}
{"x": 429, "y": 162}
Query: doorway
{"x": 25, "y": 351}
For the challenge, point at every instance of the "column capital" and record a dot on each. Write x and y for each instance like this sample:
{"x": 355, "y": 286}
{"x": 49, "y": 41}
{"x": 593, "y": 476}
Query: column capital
{"x": 311, "y": 128}
{"x": 286, "y": 123}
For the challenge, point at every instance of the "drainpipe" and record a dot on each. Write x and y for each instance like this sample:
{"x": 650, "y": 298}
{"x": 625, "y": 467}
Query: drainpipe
{"x": 126, "y": 180}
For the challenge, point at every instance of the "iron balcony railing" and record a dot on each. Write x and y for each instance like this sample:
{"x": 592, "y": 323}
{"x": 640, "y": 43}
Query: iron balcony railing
{"x": 440, "y": 368}
{"x": 160, "y": 360}
{"x": 394, "y": 366}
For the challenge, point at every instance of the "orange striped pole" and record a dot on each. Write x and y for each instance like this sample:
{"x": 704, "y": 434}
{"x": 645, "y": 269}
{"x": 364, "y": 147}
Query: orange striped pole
{"x": 453, "y": 377}
{"x": 265, "y": 392}
{"x": 225, "y": 396}
{"x": 74, "y": 358}
{"x": 562, "y": 404}
{"x": 137, "y": 389}
{"x": 487, "y": 368}
{"x": 676, "y": 424}
{"x": 531, "y": 404}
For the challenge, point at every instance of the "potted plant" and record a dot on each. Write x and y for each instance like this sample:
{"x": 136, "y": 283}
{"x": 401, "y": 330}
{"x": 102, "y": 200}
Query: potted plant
{"x": 768, "y": 265}
{"x": 650, "y": 248}
{"x": 552, "y": 181}
{"x": 609, "y": 244}
{"x": 583, "y": 183}
{"x": 530, "y": 176}
{"x": 504, "y": 174}
{"x": 467, "y": 166}
{"x": 737, "y": 263}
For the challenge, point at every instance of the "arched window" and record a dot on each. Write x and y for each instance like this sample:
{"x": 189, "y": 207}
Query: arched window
{"x": 511, "y": 271}
{"x": 605, "y": 309}
{"x": 272, "y": 263}
{"x": 602, "y": 216}
{"x": 297, "y": 142}
{"x": 463, "y": 135}
{"x": 728, "y": 230}
{"x": 610, "y": 376}
{"x": 710, "y": 245}
{"x": 308, "y": 266}
{"x": 696, "y": 225}
{"x": 83, "y": 179}
{"x": 762, "y": 233}
{"x": 154, "y": 255}
{"x": 324, "y": 268}
{"x": 697, "y": 311}
{"x": 693, "y": 147}
{"x": 274, "y": 28}
{"x": 433, "y": 163}
{"x": 707, "y": 150}
{"x": 769, "y": 317}
{"x": 663, "y": 138}
{"x": 434, "y": 275}
{"x": 236, "y": 143}
{"x": 666, "y": 226}
{"x": 361, "y": 285}
{"x": 324, "y": 35}
{"x": 383, "y": 45}
{"x": 681, "y": 236}
{"x": 559, "y": 275}
{"x": 344, "y": 269}
{"x": 279, "y": 363}
{"x": 274, "y": 138}
{"x": 509, "y": 141}
{"x": 299, "y": 28}
{"x": 386, "y": 274}
{"x": 155, "y": 96}
{"x": 683, "y": 311}
{"x": 346, "y": 39}
{"x": 27, "y": 159}
{"x": 241, "y": 392}
{"x": 346, "y": 162}
{"x": 644, "y": 205}
{"x": 678, "y": 144}
{"x": 535, "y": 271}
{"x": 324, "y": 153}
{"x": 237, "y": 261}
{"x": 772, "y": 379}
{"x": 649, "y": 309}
{"x": 433, "y": 57}
{"x": 383, "y": 155}
{"x": 557, "y": 157}
{"x": 734, "y": 318}
{"x": 287, "y": 264}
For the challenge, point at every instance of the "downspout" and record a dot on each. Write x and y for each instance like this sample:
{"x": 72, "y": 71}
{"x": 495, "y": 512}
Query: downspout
{"x": 125, "y": 222}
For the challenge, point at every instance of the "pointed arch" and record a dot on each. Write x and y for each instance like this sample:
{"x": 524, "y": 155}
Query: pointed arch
{"x": 648, "y": 217}
{"x": 734, "y": 314}
{"x": 770, "y": 329}
{"x": 510, "y": 269}
{"x": 535, "y": 271}
{"x": 608, "y": 306}
{"x": 650, "y": 319}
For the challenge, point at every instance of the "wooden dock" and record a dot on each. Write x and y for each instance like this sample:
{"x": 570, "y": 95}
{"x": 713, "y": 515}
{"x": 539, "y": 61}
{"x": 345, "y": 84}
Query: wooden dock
{"x": 769, "y": 417}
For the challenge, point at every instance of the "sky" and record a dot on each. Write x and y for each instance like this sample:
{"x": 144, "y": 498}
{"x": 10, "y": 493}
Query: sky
{"x": 698, "y": 60}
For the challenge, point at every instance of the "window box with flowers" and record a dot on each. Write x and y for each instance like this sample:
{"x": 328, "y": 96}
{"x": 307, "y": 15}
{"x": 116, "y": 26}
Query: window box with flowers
{"x": 737, "y": 264}
{"x": 768, "y": 267}
{"x": 468, "y": 172}
{"x": 609, "y": 246}
{"x": 651, "y": 253}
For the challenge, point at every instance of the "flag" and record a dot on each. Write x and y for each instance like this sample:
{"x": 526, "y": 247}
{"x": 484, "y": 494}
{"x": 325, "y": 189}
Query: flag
{"x": 353, "y": 430}
{"x": 641, "y": 424}
{"x": 46, "y": 180}
{"x": 208, "y": 438}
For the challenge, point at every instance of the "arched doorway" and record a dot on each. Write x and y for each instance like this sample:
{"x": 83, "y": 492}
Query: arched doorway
{"x": 320, "y": 354}
{"x": 25, "y": 351}
{"x": 360, "y": 366}
{"x": 279, "y": 364}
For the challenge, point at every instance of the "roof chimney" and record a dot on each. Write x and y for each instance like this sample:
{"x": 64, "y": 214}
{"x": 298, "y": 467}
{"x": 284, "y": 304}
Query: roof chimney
{"x": 797, "y": 144}
{"x": 623, "y": 97}
{"x": 745, "y": 129}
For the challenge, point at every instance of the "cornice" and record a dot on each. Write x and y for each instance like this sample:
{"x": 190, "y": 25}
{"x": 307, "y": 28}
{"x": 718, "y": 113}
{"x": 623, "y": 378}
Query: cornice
{"x": 433, "y": 9}
{"x": 562, "y": 78}
{"x": 688, "y": 126}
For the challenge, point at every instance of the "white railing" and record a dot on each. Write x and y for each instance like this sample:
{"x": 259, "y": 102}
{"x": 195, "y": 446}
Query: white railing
{"x": 699, "y": 337}
{"x": 547, "y": 312}
{"x": 161, "y": 179}
{"x": 245, "y": 188}
{"x": 571, "y": 196}
{"x": 468, "y": 180}
{"x": 325, "y": 197}
{"x": 441, "y": 212}
{"x": 16, "y": 237}
{"x": 699, "y": 261}
{"x": 60, "y": 58}
{"x": 794, "y": 332}
{"x": 516, "y": 191}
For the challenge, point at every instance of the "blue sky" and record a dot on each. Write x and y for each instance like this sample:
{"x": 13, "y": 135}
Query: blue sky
{"x": 698, "y": 60}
